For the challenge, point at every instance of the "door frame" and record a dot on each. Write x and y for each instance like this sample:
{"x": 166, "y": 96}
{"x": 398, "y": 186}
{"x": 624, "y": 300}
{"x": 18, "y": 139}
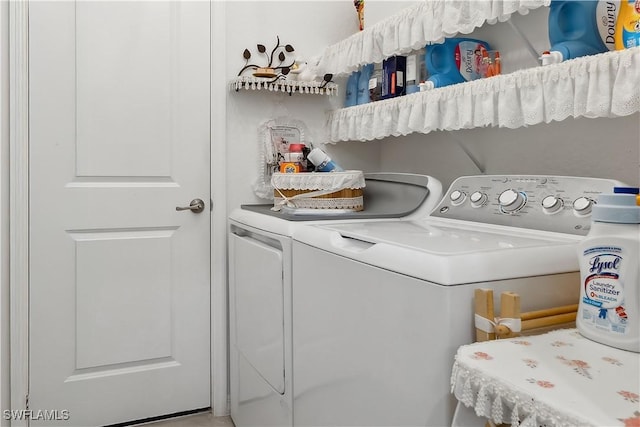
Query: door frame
{"x": 219, "y": 312}
{"x": 17, "y": 74}
{"x": 19, "y": 204}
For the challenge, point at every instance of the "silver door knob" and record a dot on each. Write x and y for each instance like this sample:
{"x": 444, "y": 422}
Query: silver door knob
{"x": 196, "y": 206}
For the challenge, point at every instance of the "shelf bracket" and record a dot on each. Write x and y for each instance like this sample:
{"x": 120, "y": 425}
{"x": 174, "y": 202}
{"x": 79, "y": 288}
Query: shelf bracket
{"x": 471, "y": 157}
{"x": 534, "y": 53}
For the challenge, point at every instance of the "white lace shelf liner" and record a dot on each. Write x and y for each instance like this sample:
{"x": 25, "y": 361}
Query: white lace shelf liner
{"x": 332, "y": 203}
{"x": 556, "y": 379}
{"x": 414, "y": 26}
{"x": 335, "y": 181}
{"x": 283, "y": 85}
{"x": 603, "y": 85}
{"x": 318, "y": 190}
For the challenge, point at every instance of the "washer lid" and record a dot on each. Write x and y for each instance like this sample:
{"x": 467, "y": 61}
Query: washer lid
{"x": 448, "y": 252}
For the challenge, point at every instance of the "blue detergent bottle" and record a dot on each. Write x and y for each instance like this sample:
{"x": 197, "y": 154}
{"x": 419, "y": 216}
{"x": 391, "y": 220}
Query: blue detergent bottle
{"x": 628, "y": 25}
{"x": 351, "y": 96}
{"x": 578, "y": 28}
{"x": 457, "y": 60}
{"x": 363, "y": 84}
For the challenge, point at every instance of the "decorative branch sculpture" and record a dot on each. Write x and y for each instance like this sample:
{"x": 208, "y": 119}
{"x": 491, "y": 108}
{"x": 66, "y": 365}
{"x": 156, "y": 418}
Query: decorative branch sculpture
{"x": 269, "y": 70}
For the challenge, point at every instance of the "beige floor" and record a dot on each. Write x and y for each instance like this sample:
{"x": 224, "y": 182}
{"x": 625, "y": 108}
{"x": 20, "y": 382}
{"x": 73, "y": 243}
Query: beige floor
{"x": 203, "y": 419}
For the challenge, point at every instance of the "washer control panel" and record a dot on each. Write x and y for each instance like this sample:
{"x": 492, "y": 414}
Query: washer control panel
{"x": 551, "y": 203}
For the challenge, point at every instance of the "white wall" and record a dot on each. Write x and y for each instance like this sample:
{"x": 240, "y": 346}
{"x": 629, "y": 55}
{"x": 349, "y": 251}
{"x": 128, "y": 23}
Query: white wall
{"x": 602, "y": 148}
{"x": 378, "y": 10}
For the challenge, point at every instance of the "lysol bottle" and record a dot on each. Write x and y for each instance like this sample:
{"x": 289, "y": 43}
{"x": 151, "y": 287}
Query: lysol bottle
{"x": 609, "y": 257}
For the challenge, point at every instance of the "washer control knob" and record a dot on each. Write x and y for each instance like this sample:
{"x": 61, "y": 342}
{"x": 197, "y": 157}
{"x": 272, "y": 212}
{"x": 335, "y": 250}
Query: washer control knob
{"x": 457, "y": 197}
{"x": 511, "y": 201}
{"x": 477, "y": 199}
{"x": 582, "y": 206}
{"x": 552, "y": 204}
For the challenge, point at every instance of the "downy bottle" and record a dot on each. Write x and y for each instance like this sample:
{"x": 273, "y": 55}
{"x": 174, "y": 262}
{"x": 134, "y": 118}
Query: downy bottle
{"x": 457, "y": 60}
{"x": 578, "y": 28}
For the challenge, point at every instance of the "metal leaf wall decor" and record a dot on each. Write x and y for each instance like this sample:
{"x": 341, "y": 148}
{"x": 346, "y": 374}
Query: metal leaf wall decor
{"x": 278, "y": 54}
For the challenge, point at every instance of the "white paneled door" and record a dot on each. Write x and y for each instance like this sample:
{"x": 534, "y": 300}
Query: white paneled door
{"x": 119, "y": 279}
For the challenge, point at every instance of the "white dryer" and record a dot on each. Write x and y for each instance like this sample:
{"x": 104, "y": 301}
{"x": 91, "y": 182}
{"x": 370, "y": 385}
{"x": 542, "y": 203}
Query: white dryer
{"x": 260, "y": 287}
{"x": 383, "y": 306}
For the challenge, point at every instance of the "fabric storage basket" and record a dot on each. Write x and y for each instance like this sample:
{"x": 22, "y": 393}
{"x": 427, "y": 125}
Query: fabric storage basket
{"x": 319, "y": 190}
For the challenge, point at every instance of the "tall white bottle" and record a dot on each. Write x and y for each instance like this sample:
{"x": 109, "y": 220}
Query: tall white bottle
{"x": 609, "y": 307}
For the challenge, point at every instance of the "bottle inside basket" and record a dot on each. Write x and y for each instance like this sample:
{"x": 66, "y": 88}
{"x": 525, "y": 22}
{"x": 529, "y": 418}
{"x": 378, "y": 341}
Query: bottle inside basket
{"x": 323, "y": 162}
{"x": 294, "y": 160}
{"x": 609, "y": 306}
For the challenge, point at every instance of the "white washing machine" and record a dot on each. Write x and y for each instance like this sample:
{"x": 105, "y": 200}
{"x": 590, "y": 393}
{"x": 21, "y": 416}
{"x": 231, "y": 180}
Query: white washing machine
{"x": 385, "y": 305}
{"x": 260, "y": 284}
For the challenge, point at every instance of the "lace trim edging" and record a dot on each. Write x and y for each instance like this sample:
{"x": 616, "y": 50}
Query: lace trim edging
{"x": 604, "y": 85}
{"x": 491, "y": 400}
{"x": 334, "y": 181}
{"x": 413, "y": 27}
{"x": 325, "y": 203}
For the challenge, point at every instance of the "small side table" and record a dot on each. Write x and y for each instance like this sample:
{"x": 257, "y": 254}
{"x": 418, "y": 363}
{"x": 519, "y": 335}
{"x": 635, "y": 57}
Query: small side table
{"x": 556, "y": 379}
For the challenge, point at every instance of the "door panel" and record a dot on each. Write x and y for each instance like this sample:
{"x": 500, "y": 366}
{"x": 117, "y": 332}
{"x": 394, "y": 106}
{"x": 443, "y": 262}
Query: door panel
{"x": 125, "y": 58}
{"x": 119, "y": 280}
{"x": 259, "y": 307}
{"x": 122, "y": 281}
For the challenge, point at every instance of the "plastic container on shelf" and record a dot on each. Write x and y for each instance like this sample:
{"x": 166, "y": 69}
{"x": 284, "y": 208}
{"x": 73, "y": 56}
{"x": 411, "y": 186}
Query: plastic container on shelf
{"x": 609, "y": 306}
{"x": 416, "y": 71}
{"x": 394, "y": 77}
{"x": 579, "y": 28}
{"x": 375, "y": 83}
{"x": 456, "y": 60}
{"x": 351, "y": 96}
{"x": 363, "y": 96}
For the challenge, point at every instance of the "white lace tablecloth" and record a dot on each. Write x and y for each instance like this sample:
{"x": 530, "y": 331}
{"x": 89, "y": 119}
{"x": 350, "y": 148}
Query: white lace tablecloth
{"x": 556, "y": 379}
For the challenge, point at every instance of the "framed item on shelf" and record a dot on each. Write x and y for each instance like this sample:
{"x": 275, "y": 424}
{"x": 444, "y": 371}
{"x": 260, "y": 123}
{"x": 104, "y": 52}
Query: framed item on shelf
{"x": 274, "y": 138}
